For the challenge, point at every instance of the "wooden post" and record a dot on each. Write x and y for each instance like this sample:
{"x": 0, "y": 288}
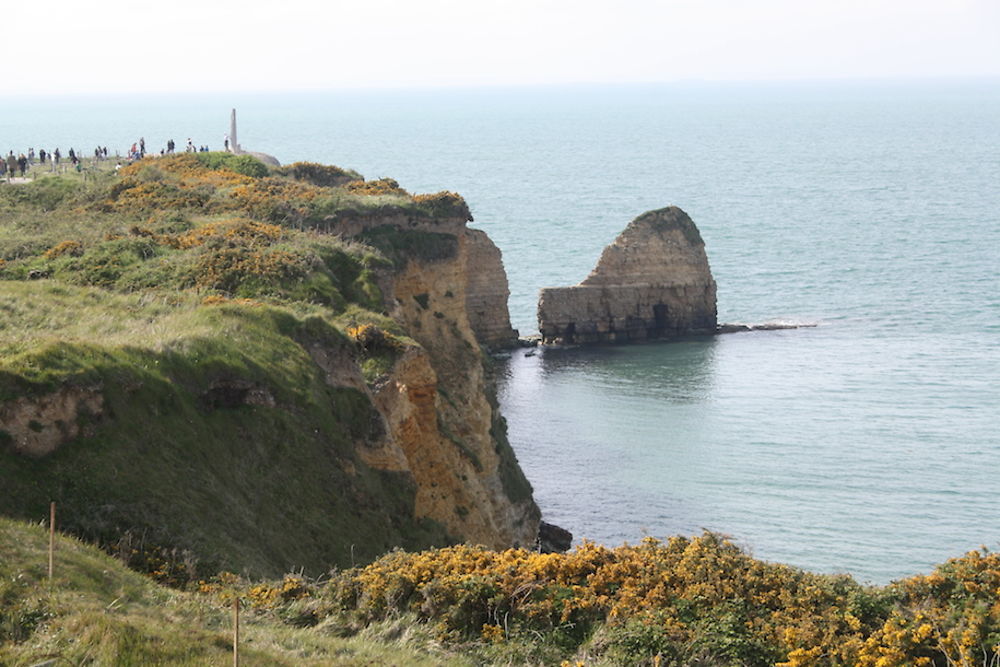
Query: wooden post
{"x": 236, "y": 632}
{"x": 52, "y": 536}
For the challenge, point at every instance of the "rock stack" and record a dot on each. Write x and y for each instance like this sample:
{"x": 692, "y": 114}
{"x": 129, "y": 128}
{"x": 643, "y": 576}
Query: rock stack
{"x": 652, "y": 282}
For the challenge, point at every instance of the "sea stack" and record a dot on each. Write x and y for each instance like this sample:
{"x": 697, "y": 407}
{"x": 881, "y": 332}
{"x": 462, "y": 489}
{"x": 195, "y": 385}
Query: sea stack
{"x": 652, "y": 282}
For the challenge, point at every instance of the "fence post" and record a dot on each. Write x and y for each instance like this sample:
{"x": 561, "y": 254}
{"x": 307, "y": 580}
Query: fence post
{"x": 236, "y": 632}
{"x": 52, "y": 536}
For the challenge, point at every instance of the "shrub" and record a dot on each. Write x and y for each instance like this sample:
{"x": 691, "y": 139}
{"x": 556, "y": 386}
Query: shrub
{"x": 227, "y": 232}
{"x": 246, "y": 165}
{"x": 443, "y": 205}
{"x": 325, "y": 176}
{"x": 383, "y": 186}
{"x": 400, "y": 244}
{"x": 74, "y": 248}
{"x": 239, "y": 271}
{"x": 372, "y": 339}
{"x": 274, "y": 199}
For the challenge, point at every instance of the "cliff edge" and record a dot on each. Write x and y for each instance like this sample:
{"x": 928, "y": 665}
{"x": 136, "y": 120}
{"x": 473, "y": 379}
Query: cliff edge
{"x": 447, "y": 289}
{"x": 227, "y": 366}
{"x": 652, "y": 282}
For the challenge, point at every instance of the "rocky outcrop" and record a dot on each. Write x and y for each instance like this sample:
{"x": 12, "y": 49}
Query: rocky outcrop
{"x": 553, "y": 539}
{"x": 652, "y": 282}
{"x": 39, "y": 425}
{"x": 766, "y": 326}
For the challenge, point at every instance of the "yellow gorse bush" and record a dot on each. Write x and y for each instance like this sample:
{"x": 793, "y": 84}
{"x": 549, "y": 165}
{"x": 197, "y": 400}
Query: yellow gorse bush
{"x": 382, "y": 186}
{"x": 264, "y": 596}
{"x": 273, "y": 198}
{"x": 235, "y": 232}
{"x": 74, "y": 248}
{"x": 951, "y": 615}
{"x": 682, "y": 601}
{"x": 372, "y": 338}
{"x": 176, "y": 182}
{"x": 702, "y": 596}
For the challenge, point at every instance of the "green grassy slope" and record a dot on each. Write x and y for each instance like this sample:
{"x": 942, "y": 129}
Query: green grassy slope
{"x": 96, "y": 612}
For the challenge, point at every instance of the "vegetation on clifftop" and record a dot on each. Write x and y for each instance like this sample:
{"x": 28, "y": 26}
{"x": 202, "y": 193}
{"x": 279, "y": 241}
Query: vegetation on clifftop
{"x": 190, "y": 293}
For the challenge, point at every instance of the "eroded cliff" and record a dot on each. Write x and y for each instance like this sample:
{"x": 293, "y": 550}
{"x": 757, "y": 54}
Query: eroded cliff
{"x": 448, "y": 290}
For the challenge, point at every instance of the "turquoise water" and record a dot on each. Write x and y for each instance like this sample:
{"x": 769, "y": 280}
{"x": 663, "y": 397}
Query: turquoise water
{"x": 868, "y": 444}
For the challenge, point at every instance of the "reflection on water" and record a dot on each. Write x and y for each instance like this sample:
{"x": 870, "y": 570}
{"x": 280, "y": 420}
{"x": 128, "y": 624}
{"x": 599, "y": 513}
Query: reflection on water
{"x": 584, "y": 420}
{"x": 677, "y": 372}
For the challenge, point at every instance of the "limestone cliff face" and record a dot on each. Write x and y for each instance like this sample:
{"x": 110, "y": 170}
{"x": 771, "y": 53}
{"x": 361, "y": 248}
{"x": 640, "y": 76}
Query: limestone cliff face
{"x": 448, "y": 290}
{"x": 487, "y": 292}
{"x": 653, "y": 281}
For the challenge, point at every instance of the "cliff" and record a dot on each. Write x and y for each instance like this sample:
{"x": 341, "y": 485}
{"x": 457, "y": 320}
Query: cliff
{"x": 653, "y": 281}
{"x": 448, "y": 290}
{"x": 256, "y": 371}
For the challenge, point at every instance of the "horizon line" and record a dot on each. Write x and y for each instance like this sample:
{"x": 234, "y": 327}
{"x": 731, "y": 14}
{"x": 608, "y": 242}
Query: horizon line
{"x": 485, "y": 87}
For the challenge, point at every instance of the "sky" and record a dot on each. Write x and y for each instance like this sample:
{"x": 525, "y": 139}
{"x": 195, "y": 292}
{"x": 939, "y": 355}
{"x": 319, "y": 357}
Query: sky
{"x": 123, "y": 46}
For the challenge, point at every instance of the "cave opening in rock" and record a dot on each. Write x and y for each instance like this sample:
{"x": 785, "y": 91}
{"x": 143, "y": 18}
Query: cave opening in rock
{"x": 661, "y": 320}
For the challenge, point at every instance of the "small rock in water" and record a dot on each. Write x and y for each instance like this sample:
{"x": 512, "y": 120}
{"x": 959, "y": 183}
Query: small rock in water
{"x": 553, "y": 539}
{"x": 766, "y": 326}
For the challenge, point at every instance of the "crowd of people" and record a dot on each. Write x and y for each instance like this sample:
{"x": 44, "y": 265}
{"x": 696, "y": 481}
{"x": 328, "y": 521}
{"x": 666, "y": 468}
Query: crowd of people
{"x": 20, "y": 165}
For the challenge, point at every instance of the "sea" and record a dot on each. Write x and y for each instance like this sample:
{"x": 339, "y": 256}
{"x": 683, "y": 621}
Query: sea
{"x": 866, "y": 443}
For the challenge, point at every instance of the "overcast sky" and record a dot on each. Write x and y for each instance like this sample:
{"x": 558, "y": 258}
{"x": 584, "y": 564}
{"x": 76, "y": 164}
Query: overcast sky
{"x": 62, "y": 46}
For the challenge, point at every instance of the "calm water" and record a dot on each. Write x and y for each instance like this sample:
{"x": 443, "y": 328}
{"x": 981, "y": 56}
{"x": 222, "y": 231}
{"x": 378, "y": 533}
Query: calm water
{"x": 868, "y": 444}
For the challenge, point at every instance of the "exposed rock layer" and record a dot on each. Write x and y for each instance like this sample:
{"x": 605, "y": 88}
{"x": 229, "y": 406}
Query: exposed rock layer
{"x": 40, "y": 425}
{"x": 444, "y": 429}
{"x": 653, "y": 281}
{"x": 487, "y": 292}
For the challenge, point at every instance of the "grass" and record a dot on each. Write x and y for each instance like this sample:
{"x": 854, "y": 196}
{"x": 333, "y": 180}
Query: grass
{"x": 97, "y": 612}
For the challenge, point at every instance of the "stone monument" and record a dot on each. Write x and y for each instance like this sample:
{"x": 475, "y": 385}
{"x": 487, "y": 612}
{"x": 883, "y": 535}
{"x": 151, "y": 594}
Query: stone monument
{"x": 234, "y": 145}
{"x": 236, "y": 149}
